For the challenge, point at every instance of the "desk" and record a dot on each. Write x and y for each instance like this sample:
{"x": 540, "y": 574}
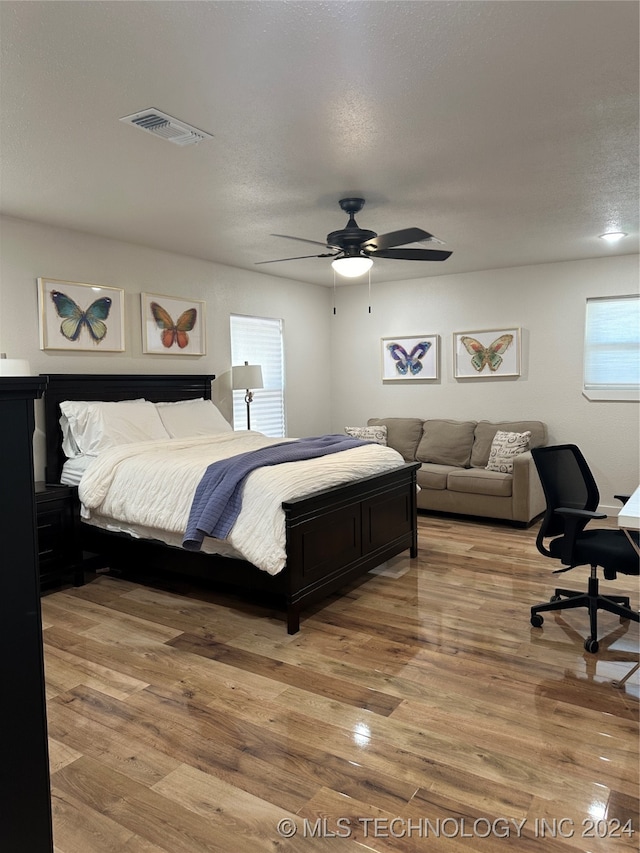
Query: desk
{"x": 629, "y": 516}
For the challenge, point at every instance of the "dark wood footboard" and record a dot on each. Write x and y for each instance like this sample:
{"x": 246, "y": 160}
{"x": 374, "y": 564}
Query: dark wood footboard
{"x": 338, "y": 534}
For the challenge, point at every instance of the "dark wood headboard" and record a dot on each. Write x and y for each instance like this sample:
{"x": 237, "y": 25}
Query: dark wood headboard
{"x": 109, "y": 387}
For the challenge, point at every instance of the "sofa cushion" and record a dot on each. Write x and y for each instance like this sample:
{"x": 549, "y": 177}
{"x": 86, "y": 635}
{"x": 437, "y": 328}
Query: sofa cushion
{"x": 432, "y": 476}
{"x": 403, "y": 434}
{"x": 478, "y": 481}
{"x": 446, "y": 442}
{"x": 486, "y": 430}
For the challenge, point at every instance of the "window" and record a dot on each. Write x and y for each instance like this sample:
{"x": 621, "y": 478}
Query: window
{"x": 258, "y": 340}
{"x": 612, "y": 348}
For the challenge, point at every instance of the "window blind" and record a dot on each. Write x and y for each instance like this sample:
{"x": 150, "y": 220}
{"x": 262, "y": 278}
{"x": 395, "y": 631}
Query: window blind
{"x": 612, "y": 348}
{"x": 259, "y": 340}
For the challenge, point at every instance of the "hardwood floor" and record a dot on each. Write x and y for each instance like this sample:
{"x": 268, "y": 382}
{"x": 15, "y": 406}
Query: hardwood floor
{"x": 418, "y": 711}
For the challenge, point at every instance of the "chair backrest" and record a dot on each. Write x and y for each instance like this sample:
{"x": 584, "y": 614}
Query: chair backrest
{"x": 566, "y": 481}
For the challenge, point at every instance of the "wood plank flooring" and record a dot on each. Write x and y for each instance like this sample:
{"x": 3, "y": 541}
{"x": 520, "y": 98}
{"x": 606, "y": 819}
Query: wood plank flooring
{"x": 418, "y": 711}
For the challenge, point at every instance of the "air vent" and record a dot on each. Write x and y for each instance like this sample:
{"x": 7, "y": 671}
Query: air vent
{"x": 167, "y": 127}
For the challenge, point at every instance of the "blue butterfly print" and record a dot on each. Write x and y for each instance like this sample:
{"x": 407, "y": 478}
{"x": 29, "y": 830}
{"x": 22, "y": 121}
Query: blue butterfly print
{"x": 409, "y": 362}
{"x": 74, "y": 318}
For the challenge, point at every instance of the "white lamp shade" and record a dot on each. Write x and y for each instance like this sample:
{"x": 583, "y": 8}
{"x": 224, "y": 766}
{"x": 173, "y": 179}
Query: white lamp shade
{"x": 247, "y": 376}
{"x": 352, "y": 267}
{"x": 14, "y": 367}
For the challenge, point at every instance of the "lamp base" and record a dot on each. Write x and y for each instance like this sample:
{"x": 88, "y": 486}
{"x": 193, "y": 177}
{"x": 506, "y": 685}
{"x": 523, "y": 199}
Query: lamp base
{"x": 248, "y": 398}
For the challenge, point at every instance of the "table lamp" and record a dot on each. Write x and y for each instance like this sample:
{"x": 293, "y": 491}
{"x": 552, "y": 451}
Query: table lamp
{"x": 248, "y": 377}
{"x": 14, "y": 366}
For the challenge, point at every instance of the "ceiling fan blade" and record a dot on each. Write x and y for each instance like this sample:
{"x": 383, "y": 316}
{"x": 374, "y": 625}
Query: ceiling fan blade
{"x": 300, "y": 239}
{"x": 411, "y": 254}
{"x": 299, "y": 258}
{"x": 397, "y": 238}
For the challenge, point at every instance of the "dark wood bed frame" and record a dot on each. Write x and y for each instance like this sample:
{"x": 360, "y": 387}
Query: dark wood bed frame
{"x": 333, "y": 536}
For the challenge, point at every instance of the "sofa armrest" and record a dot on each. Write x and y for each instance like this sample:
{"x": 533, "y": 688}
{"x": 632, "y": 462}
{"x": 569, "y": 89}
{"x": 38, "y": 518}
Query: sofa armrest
{"x": 527, "y": 495}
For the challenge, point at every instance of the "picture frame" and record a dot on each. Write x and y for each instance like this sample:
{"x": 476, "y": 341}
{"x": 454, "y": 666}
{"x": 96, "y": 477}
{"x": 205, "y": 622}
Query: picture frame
{"x": 172, "y": 325}
{"x": 487, "y": 353}
{"x": 75, "y": 316}
{"x": 414, "y": 358}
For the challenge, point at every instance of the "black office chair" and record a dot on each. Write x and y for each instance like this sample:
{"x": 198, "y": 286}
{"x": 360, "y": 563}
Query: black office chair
{"x": 572, "y": 500}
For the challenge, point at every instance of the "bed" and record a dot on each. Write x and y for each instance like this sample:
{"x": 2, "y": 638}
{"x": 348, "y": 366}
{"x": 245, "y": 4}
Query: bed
{"x": 333, "y": 536}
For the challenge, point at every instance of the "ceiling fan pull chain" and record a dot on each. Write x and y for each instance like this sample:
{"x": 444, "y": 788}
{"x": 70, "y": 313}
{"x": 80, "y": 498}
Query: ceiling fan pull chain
{"x": 334, "y": 293}
{"x": 369, "y": 291}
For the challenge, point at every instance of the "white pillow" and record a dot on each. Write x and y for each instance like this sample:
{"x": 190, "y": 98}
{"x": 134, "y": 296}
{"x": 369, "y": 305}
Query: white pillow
{"x": 192, "y": 417}
{"x": 95, "y": 426}
{"x": 69, "y": 446}
{"x": 376, "y": 434}
{"x": 504, "y": 447}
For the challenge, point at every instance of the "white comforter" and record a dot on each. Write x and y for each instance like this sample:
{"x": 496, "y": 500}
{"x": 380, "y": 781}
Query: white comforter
{"x": 151, "y": 484}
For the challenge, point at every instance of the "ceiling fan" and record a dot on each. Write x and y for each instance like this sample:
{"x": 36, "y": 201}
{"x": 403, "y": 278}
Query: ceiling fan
{"x": 355, "y": 247}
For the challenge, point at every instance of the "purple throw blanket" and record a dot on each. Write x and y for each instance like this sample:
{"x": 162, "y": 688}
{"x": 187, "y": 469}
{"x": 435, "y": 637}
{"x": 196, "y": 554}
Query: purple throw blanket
{"x": 218, "y": 497}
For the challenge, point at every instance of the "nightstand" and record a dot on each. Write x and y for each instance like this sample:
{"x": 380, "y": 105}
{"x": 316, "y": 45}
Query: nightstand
{"x": 59, "y": 554}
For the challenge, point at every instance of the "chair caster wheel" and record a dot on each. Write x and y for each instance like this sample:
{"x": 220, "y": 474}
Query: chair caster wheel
{"x": 537, "y": 620}
{"x": 591, "y": 645}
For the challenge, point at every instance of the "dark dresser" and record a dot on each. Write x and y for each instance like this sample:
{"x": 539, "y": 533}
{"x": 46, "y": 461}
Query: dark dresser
{"x": 24, "y": 769}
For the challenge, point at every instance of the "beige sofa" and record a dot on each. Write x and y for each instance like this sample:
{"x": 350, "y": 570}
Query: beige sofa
{"x": 453, "y": 477}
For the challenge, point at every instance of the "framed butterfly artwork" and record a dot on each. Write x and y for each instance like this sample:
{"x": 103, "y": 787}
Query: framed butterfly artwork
{"x": 172, "y": 325}
{"x": 82, "y": 317}
{"x": 410, "y": 358}
{"x": 486, "y": 354}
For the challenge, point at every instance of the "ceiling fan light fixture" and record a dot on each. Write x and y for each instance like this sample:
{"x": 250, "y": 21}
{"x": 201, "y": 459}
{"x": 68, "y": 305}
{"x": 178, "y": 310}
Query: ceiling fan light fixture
{"x": 352, "y": 267}
{"x": 613, "y": 236}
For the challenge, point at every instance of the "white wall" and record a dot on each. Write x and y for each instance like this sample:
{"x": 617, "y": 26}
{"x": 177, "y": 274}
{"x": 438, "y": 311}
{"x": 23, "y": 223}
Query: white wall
{"x": 30, "y": 250}
{"x": 547, "y": 301}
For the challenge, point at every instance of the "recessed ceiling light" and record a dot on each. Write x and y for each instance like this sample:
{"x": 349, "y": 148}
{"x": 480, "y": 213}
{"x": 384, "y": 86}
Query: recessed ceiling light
{"x": 613, "y": 236}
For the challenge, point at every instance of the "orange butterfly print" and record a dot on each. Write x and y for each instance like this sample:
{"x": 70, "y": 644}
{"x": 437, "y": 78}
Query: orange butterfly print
{"x": 174, "y": 332}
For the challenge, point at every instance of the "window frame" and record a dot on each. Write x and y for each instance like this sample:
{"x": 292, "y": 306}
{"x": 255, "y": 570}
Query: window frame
{"x": 605, "y": 391}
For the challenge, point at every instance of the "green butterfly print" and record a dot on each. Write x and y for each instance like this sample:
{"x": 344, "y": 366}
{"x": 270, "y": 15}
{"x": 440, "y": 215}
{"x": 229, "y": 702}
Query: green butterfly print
{"x": 74, "y": 318}
{"x": 491, "y": 355}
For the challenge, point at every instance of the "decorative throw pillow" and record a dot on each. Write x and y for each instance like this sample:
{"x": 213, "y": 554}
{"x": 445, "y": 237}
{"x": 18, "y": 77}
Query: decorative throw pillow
{"x": 376, "y": 434}
{"x": 504, "y": 448}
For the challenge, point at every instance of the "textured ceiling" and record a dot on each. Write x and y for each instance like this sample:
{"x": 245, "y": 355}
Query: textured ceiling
{"x": 507, "y": 129}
